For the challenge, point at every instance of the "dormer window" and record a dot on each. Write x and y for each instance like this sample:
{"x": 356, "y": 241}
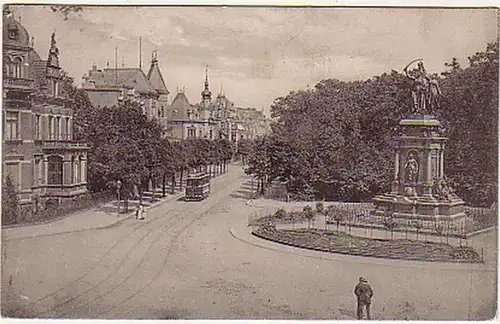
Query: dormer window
{"x": 55, "y": 88}
{"x": 13, "y": 32}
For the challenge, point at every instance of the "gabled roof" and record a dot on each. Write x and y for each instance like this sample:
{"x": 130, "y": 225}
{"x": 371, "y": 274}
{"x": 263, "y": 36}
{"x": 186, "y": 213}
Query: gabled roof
{"x": 156, "y": 79}
{"x": 125, "y": 77}
{"x": 179, "y": 107}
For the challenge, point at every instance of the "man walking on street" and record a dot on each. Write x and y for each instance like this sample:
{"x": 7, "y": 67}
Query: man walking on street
{"x": 364, "y": 294}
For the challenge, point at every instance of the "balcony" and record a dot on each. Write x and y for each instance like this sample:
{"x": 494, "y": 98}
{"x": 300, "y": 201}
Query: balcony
{"x": 18, "y": 83}
{"x": 61, "y": 144}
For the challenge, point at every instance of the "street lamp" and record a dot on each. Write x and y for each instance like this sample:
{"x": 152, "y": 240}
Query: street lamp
{"x": 118, "y": 190}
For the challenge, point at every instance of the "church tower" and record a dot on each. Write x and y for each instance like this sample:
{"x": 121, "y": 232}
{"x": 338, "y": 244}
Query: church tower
{"x": 206, "y": 94}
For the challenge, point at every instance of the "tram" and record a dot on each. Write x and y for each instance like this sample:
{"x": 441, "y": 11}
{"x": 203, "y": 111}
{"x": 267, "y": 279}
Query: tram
{"x": 197, "y": 186}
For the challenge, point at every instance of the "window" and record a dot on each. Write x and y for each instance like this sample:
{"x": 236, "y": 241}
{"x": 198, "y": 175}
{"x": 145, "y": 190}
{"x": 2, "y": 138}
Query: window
{"x": 17, "y": 67}
{"x": 12, "y": 125}
{"x": 55, "y": 170}
{"x": 51, "y": 127}
{"x": 38, "y": 125}
{"x": 68, "y": 128}
{"x": 55, "y": 88}
{"x": 57, "y": 130}
{"x": 13, "y": 32}
{"x": 191, "y": 132}
{"x": 75, "y": 163}
{"x": 162, "y": 111}
{"x": 6, "y": 66}
{"x": 63, "y": 128}
{"x": 210, "y": 134}
{"x": 37, "y": 172}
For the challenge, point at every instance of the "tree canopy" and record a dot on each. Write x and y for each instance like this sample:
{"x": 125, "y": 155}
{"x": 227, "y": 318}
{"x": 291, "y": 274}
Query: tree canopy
{"x": 335, "y": 141}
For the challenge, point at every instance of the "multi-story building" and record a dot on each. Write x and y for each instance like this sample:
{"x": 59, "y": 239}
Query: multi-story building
{"x": 249, "y": 123}
{"x": 187, "y": 121}
{"x": 40, "y": 156}
{"x": 213, "y": 119}
{"x": 110, "y": 86}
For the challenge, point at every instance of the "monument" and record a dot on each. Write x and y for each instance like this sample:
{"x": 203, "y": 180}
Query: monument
{"x": 419, "y": 191}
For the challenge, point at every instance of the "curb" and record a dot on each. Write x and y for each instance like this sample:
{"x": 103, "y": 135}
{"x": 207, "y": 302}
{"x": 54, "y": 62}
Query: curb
{"x": 357, "y": 259}
{"x": 121, "y": 218}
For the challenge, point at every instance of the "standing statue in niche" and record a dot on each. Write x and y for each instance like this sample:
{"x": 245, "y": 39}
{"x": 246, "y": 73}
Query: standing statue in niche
{"x": 425, "y": 89}
{"x": 411, "y": 168}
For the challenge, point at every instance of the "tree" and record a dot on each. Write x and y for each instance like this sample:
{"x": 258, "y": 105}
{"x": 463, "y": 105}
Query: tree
{"x": 333, "y": 142}
{"x": 10, "y": 202}
{"x": 125, "y": 146}
{"x": 308, "y": 214}
{"x": 470, "y": 114}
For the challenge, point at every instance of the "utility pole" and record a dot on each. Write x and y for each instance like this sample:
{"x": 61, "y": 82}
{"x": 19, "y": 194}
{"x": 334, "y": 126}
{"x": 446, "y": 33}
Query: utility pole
{"x": 140, "y": 52}
{"x": 116, "y": 66}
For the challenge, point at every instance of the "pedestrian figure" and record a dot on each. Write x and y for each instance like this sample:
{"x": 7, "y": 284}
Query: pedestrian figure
{"x": 139, "y": 212}
{"x": 364, "y": 294}
{"x": 143, "y": 212}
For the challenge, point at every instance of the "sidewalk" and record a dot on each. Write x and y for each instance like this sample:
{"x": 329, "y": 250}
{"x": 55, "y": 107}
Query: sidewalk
{"x": 103, "y": 216}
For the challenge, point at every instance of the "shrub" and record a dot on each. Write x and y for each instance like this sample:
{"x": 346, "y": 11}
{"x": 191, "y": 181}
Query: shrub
{"x": 10, "y": 202}
{"x": 280, "y": 213}
{"x": 319, "y": 207}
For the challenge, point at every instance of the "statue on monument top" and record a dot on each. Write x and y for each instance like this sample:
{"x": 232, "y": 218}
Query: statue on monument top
{"x": 425, "y": 88}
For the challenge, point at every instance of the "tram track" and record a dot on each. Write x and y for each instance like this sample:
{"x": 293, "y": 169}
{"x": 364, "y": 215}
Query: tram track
{"x": 108, "y": 285}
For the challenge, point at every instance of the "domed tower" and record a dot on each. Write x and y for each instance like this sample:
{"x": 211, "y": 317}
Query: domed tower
{"x": 206, "y": 94}
{"x": 16, "y": 48}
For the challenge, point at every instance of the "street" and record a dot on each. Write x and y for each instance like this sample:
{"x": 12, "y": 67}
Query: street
{"x": 184, "y": 261}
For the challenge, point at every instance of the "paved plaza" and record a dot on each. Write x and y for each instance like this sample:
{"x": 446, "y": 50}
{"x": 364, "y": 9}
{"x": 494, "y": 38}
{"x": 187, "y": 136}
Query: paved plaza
{"x": 198, "y": 261}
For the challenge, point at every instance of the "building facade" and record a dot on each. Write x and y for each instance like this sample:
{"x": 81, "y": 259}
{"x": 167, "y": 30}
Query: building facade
{"x": 40, "y": 156}
{"x": 110, "y": 86}
{"x": 213, "y": 118}
{"x": 187, "y": 121}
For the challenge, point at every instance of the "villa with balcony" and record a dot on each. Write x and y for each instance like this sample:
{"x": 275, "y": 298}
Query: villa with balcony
{"x": 40, "y": 156}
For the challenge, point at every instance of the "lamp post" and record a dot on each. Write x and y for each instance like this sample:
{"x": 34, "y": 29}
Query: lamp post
{"x": 118, "y": 191}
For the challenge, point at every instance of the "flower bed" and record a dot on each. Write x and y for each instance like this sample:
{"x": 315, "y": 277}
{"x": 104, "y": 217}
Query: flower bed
{"x": 343, "y": 243}
{"x": 287, "y": 218}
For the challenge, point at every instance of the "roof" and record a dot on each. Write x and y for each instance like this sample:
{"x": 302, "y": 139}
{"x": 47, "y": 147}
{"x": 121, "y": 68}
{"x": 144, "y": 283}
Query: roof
{"x": 14, "y": 33}
{"x": 156, "y": 79}
{"x": 179, "y": 107}
{"x": 125, "y": 77}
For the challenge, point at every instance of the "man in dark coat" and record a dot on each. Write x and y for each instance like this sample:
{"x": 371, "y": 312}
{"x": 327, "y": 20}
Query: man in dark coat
{"x": 364, "y": 294}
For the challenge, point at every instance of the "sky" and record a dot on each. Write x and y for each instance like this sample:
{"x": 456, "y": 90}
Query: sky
{"x": 256, "y": 54}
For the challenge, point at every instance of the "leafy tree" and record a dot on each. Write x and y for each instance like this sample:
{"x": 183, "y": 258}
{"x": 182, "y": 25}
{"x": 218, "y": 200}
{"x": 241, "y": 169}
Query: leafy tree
{"x": 333, "y": 142}
{"x": 308, "y": 214}
{"x": 470, "y": 113}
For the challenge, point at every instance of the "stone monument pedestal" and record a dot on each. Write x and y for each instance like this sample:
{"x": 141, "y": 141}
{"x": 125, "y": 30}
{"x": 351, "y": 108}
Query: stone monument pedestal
{"x": 419, "y": 192}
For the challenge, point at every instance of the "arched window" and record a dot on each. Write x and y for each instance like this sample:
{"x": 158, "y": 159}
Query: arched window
{"x": 6, "y": 66}
{"x": 55, "y": 170}
{"x": 17, "y": 68}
